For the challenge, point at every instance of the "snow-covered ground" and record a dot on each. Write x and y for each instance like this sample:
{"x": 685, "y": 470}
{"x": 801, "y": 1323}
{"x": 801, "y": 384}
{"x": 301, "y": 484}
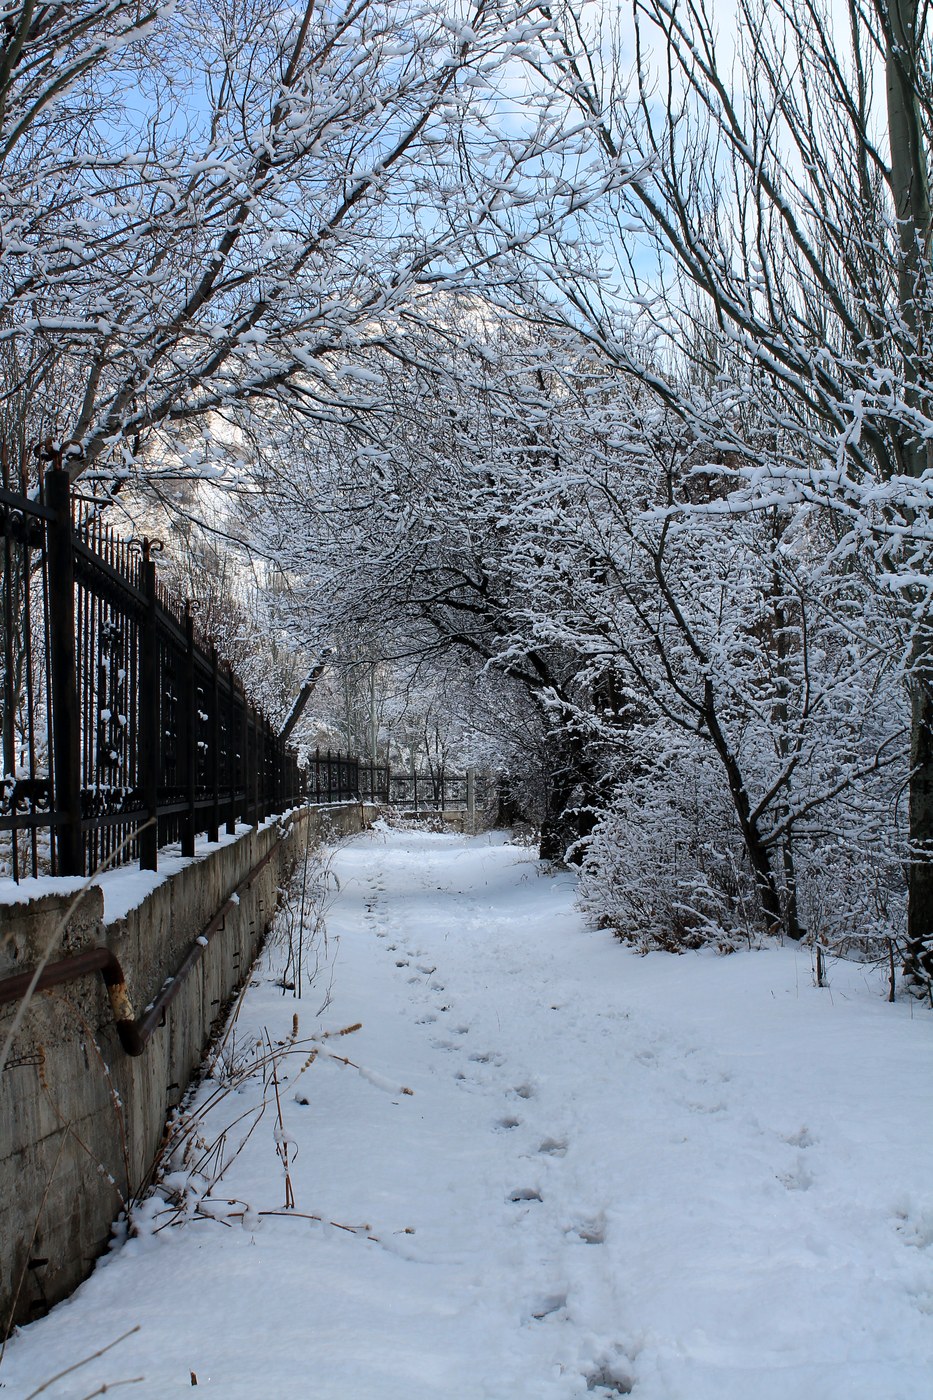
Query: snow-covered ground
{"x": 693, "y": 1178}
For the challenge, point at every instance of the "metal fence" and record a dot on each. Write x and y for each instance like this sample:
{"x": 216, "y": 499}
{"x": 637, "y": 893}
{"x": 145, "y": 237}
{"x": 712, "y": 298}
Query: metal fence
{"x": 122, "y": 732}
{"x": 430, "y": 792}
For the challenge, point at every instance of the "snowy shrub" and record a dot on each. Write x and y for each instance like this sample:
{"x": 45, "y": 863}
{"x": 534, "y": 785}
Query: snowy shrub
{"x": 664, "y": 867}
{"x": 299, "y": 928}
{"x": 852, "y": 898}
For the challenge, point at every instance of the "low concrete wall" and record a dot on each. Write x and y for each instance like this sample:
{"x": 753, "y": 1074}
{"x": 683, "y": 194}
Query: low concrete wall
{"x": 80, "y": 1121}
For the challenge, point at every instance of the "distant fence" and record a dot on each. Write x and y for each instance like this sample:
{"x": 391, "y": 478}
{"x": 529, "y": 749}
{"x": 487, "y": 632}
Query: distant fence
{"x": 422, "y": 792}
{"x": 119, "y": 728}
{"x": 432, "y": 792}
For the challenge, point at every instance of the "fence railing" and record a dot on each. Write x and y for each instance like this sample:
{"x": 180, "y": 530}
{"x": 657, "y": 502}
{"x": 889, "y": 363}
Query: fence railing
{"x": 120, "y": 728}
{"x": 431, "y": 792}
{"x": 335, "y": 777}
{"x": 122, "y": 731}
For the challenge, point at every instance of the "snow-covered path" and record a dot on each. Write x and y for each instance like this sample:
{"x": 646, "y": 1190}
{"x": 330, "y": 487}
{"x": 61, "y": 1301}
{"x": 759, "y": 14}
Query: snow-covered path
{"x": 692, "y": 1178}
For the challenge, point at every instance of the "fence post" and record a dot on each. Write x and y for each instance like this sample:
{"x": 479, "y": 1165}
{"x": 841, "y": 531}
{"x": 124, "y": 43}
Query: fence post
{"x": 232, "y": 744}
{"x": 9, "y": 668}
{"x": 188, "y": 737}
{"x": 253, "y": 769}
{"x": 150, "y": 689}
{"x": 259, "y": 754}
{"x": 213, "y": 755}
{"x": 257, "y": 765}
{"x": 471, "y": 800}
{"x": 261, "y": 776}
{"x": 272, "y": 768}
{"x": 245, "y": 722}
{"x": 66, "y": 732}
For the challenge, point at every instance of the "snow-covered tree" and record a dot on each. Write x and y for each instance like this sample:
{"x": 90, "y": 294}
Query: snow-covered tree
{"x": 779, "y": 219}
{"x": 206, "y": 207}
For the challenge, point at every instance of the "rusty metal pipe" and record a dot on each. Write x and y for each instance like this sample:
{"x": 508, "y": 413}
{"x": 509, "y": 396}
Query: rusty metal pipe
{"x": 135, "y": 1032}
{"x": 54, "y": 974}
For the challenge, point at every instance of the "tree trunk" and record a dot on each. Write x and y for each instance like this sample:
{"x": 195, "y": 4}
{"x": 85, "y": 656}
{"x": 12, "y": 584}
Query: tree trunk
{"x": 508, "y": 809}
{"x": 910, "y": 187}
{"x": 569, "y": 816}
{"x": 918, "y": 962}
{"x": 758, "y": 854}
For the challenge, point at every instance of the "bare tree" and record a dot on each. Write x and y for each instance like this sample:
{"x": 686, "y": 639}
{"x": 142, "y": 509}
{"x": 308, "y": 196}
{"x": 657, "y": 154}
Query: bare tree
{"x": 784, "y": 189}
{"x": 212, "y": 207}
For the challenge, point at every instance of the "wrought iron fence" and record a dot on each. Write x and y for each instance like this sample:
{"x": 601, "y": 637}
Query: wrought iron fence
{"x": 439, "y": 791}
{"x": 122, "y": 731}
{"x": 120, "y": 728}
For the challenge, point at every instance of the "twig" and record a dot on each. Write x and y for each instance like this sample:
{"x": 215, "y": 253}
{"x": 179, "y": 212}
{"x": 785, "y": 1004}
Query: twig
{"x": 281, "y": 1141}
{"x": 107, "y": 1386}
{"x": 304, "y": 1215}
{"x": 301, "y": 910}
{"x": 55, "y": 935}
{"x": 32, "y": 1240}
{"x": 115, "y": 1101}
{"x": 76, "y": 1365}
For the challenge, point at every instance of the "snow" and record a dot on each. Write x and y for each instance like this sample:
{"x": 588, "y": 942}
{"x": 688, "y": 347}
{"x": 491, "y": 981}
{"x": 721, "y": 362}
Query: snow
{"x": 124, "y": 888}
{"x": 127, "y": 887}
{"x": 38, "y": 886}
{"x": 695, "y": 1178}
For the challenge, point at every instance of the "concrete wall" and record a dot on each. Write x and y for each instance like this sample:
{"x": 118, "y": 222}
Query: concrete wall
{"x": 80, "y": 1121}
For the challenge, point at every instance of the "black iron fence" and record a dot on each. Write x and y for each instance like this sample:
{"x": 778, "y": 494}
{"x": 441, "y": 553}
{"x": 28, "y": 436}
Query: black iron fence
{"x": 122, "y": 731}
{"x": 338, "y": 777}
{"x": 430, "y": 792}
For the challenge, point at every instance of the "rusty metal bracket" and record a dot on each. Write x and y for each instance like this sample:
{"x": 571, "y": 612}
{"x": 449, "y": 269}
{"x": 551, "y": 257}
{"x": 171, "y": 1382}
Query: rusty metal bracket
{"x": 135, "y": 1032}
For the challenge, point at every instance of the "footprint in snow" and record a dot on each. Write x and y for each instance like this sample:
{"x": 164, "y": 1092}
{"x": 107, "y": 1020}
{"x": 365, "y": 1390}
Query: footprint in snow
{"x": 802, "y": 1138}
{"x": 546, "y": 1304}
{"x": 426, "y": 1020}
{"x": 591, "y": 1231}
{"x": 523, "y": 1091}
{"x": 798, "y": 1178}
{"x": 610, "y": 1378}
{"x": 915, "y": 1225}
{"x": 524, "y": 1193}
{"x": 505, "y": 1125}
{"x": 697, "y": 1106}
{"x": 553, "y": 1147}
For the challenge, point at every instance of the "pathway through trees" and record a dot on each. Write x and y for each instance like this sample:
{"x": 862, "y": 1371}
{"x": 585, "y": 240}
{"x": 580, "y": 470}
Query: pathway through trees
{"x": 677, "y": 1177}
